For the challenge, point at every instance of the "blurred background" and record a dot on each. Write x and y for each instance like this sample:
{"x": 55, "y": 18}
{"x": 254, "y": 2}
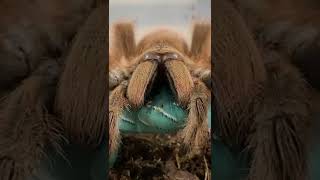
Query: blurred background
{"x": 150, "y": 14}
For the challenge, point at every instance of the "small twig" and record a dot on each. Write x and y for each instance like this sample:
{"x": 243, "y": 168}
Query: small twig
{"x": 207, "y": 172}
{"x": 178, "y": 161}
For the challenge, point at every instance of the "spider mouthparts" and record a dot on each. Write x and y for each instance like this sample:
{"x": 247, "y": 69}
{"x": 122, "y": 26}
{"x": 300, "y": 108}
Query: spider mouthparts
{"x": 160, "y": 83}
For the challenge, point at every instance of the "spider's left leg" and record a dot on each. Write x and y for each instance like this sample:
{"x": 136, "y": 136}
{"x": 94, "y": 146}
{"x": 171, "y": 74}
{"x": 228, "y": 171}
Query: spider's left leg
{"x": 135, "y": 91}
{"x": 121, "y": 51}
{"x": 279, "y": 138}
{"x": 195, "y": 134}
{"x": 27, "y": 126}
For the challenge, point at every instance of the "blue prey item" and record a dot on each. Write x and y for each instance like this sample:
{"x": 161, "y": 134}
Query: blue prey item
{"x": 161, "y": 115}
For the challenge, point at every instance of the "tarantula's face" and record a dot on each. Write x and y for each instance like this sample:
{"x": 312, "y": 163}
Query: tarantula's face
{"x": 161, "y": 65}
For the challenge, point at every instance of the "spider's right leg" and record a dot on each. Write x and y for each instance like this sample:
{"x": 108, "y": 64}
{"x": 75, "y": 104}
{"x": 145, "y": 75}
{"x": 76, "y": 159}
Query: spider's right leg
{"x": 117, "y": 103}
{"x": 195, "y": 133}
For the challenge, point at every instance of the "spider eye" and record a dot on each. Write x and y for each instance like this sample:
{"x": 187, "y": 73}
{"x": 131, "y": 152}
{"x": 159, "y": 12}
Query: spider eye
{"x": 170, "y": 56}
{"x": 151, "y": 56}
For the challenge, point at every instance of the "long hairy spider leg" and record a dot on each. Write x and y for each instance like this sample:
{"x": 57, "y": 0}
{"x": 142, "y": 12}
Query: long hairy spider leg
{"x": 201, "y": 41}
{"x": 27, "y": 126}
{"x": 201, "y": 52}
{"x": 280, "y": 130}
{"x": 123, "y": 40}
{"x": 117, "y": 103}
{"x": 196, "y": 133}
{"x": 81, "y": 100}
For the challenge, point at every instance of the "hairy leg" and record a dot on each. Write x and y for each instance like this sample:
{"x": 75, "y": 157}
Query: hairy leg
{"x": 116, "y": 76}
{"x": 201, "y": 42}
{"x": 82, "y": 94}
{"x": 121, "y": 51}
{"x": 195, "y": 134}
{"x": 117, "y": 103}
{"x": 204, "y": 74}
{"x": 123, "y": 40}
{"x": 27, "y": 127}
{"x": 201, "y": 53}
{"x": 280, "y": 129}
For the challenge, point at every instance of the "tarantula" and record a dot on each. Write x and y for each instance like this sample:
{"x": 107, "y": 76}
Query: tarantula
{"x": 261, "y": 100}
{"x": 161, "y": 58}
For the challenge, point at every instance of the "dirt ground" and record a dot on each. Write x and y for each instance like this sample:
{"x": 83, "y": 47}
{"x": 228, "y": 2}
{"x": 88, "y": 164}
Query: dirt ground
{"x": 155, "y": 157}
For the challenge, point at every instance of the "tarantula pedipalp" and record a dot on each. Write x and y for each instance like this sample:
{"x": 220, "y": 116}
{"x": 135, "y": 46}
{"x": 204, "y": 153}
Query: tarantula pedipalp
{"x": 161, "y": 58}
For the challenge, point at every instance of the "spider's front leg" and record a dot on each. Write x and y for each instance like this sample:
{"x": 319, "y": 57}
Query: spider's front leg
{"x": 120, "y": 67}
{"x": 117, "y": 103}
{"x": 135, "y": 90}
{"x": 195, "y": 133}
{"x": 27, "y": 126}
{"x": 81, "y": 100}
{"x": 280, "y": 128}
{"x": 194, "y": 94}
